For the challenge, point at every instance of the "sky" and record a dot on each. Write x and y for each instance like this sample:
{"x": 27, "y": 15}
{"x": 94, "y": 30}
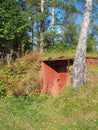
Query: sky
{"x": 59, "y": 14}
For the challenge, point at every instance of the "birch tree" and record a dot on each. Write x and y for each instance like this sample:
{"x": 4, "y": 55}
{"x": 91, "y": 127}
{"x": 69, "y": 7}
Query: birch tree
{"x": 42, "y": 28}
{"x": 79, "y": 66}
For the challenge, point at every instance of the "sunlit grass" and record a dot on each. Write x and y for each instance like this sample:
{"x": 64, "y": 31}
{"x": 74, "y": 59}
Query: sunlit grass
{"x": 70, "y": 110}
{"x": 66, "y": 54}
{"x": 60, "y": 54}
{"x": 92, "y": 54}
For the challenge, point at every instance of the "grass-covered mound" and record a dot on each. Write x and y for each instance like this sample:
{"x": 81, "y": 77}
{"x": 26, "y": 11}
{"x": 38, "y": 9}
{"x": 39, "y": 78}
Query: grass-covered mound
{"x": 21, "y": 77}
{"x": 21, "y": 109}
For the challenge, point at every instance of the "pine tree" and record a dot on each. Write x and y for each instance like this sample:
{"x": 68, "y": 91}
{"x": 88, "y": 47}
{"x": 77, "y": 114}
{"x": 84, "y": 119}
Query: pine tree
{"x": 13, "y": 26}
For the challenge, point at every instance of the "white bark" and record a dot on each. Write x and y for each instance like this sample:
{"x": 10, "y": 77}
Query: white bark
{"x": 52, "y": 20}
{"x": 41, "y": 29}
{"x": 42, "y": 7}
{"x": 79, "y": 67}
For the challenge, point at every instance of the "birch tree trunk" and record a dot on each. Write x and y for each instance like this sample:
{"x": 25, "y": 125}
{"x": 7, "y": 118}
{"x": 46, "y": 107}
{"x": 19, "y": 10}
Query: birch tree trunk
{"x": 79, "y": 66}
{"x": 52, "y": 24}
{"x": 52, "y": 20}
{"x": 41, "y": 29}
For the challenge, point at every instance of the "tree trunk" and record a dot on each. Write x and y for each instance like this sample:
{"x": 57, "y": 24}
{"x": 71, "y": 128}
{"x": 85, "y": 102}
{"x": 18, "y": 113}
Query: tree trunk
{"x": 41, "y": 29}
{"x": 52, "y": 24}
{"x": 52, "y": 20}
{"x": 79, "y": 66}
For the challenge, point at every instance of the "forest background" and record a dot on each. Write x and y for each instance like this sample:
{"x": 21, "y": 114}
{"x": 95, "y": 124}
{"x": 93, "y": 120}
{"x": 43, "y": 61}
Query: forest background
{"x": 28, "y": 34}
{"x": 24, "y": 26}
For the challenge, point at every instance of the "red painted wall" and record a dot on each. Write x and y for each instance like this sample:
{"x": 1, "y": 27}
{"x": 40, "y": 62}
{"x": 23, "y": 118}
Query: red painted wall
{"x": 53, "y": 76}
{"x": 92, "y": 61}
{"x": 47, "y": 78}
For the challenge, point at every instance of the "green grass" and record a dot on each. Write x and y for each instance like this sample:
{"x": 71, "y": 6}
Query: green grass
{"x": 92, "y": 54}
{"x": 70, "y": 110}
{"x": 66, "y": 54}
{"x": 60, "y": 54}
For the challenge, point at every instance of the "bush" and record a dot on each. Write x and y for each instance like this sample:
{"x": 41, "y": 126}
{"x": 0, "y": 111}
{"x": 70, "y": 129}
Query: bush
{"x": 57, "y": 47}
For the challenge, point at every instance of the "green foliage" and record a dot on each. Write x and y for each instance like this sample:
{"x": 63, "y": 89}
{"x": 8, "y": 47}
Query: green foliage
{"x": 57, "y": 47}
{"x": 12, "y": 19}
{"x": 66, "y": 23}
{"x": 90, "y": 47}
{"x": 19, "y": 77}
{"x": 15, "y": 22}
{"x": 13, "y": 26}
